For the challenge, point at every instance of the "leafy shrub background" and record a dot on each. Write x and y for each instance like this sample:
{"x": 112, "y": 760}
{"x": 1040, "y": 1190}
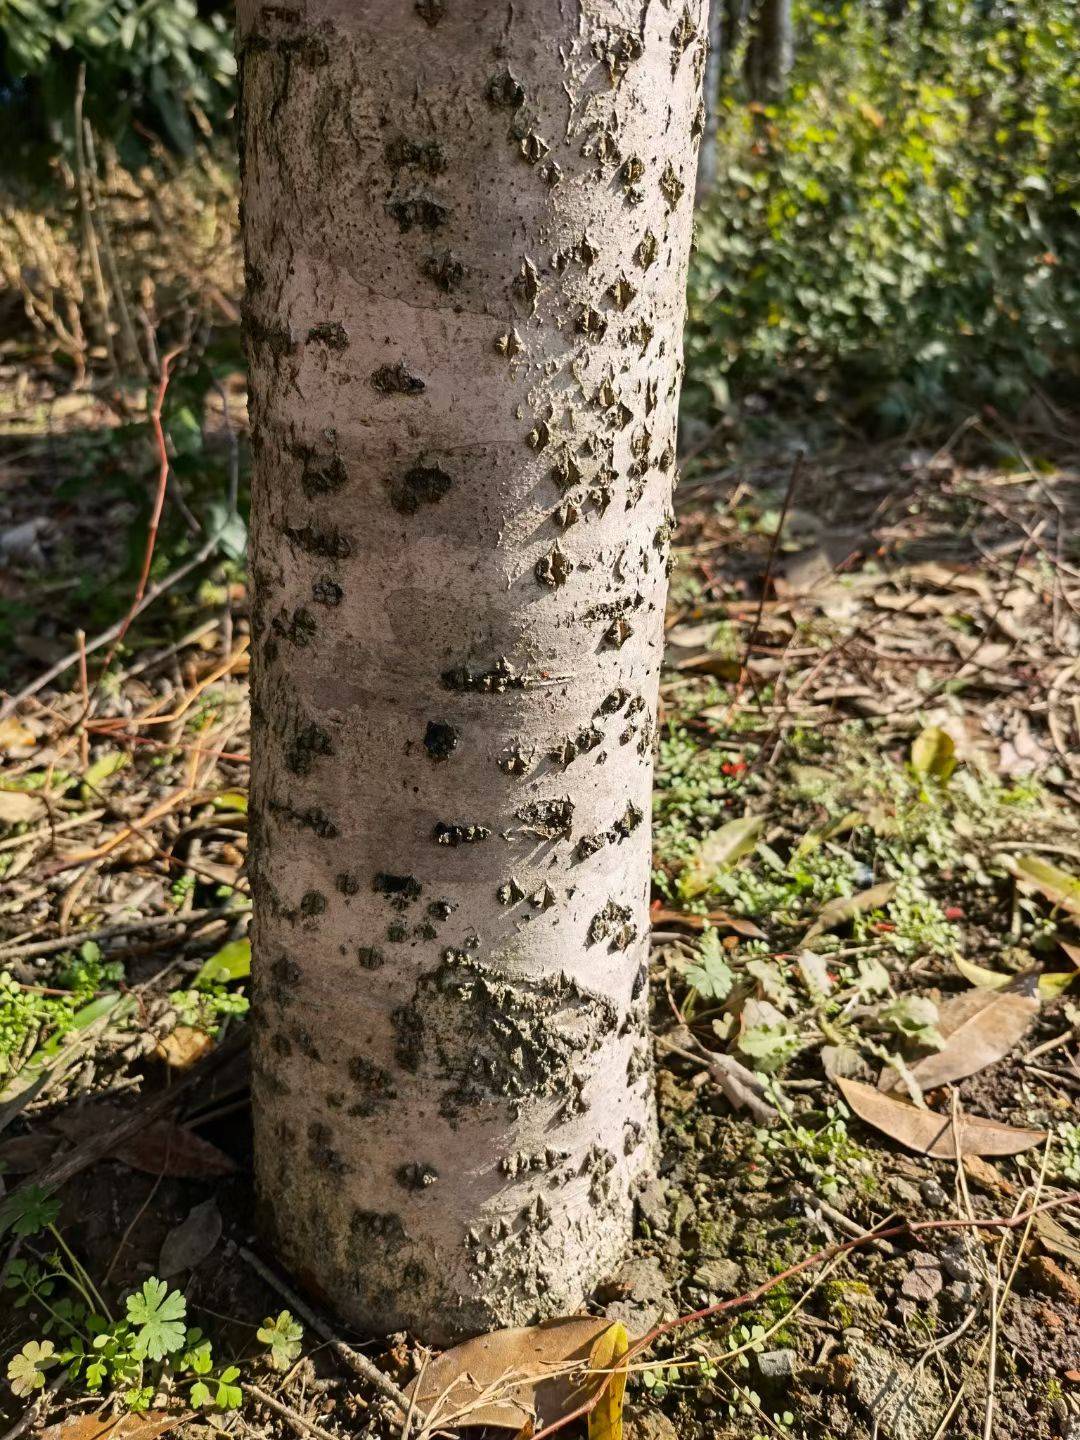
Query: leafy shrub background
{"x": 902, "y": 234}
{"x": 163, "y": 66}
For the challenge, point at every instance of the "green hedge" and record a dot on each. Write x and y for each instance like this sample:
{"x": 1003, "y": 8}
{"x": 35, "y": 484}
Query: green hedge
{"x": 902, "y": 234}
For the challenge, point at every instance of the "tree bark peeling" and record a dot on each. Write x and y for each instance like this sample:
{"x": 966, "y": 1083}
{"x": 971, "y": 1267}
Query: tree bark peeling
{"x": 466, "y": 232}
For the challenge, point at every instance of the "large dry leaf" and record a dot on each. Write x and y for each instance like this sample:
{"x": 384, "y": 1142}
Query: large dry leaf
{"x": 1058, "y": 886}
{"x": 722, "y": 919}
{"x": 513, "y": 1378}
{"x": 980, "y": 1028}
{"x": 189, "y": 1243}
{"x": 717, "y": 851}
{"x": 165, "y": 1148}
{"x": 147, "y": 1426}
{"x": 17, "y": 806}
{"x": 846, "y": 907}
{"x": 928, "y": 1133}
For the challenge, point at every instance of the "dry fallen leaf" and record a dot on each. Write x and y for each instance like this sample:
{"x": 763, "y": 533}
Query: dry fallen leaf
{"x": 980, "y": 1027}
{"x": 183, "y": 1046}
{"x": 189, "y": 1243}
{"x": 147, "y": 1426}
{"x": 1057, "y": 886}
{"x": 721, "y": 919}
{"x": 511, "y": 1378}
{"x": 846, "y": 907}
{"x": 17, "y": 806}
{"x": 928, "y": 1133}
{"x": 165, "y": 1148}
{"x": 717, "y": 851}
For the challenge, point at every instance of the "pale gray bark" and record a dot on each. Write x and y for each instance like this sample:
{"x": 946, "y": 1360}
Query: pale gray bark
{"x": 466, "y": 227}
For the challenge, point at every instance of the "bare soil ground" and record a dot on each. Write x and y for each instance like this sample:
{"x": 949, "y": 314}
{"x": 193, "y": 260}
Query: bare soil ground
{"x": 873, "y": 656}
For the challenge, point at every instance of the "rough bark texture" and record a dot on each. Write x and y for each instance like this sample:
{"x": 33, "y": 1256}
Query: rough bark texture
{"x": 466, "y": 228}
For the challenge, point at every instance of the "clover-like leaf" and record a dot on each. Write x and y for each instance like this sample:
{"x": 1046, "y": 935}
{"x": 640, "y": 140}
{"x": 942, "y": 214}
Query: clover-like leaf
{"x": 201, "y": 1394}
{"x": 229, "y": 1396}
{"x": 283, "y": 1336}
{"x": 31, "y": 1210}
{"x": 158, "y": 1315}
{"x": 26, "y": 1370}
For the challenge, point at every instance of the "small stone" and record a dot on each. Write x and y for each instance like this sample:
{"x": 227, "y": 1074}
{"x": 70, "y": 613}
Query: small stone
{"x": 959, "y": 1264}
{"x": 778, "y": 1364}
{"x": 961, "y": 1293}
{"x": 933, "y": 1195}
{"x": 722, "y": 1276}
{"x": 903, "y": 1192}
{"x": 904, "y": 1404}
{"x": 653, "y": 1425}
{"x": 923, "y": 1281}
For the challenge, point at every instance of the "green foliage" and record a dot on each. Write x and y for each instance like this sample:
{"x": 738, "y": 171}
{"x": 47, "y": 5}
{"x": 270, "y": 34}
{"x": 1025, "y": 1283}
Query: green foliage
{"x": 826, "y": 1156}
{"x": 33, "y": 1022}
{"x": 903, "y": 227}
{"x": 26, "y": 1370}
{"x": 158, "y": 1315}
{"x": 710, "y": 975}
{"x": 167, "y": 65}
{"x": 283, "y": 1336}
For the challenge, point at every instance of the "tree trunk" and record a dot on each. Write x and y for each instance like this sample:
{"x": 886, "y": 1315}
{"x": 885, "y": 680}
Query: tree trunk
{"x": 771, "y": 51}
{"x": 466, "y": 227}
{"x": 708, "y": 154}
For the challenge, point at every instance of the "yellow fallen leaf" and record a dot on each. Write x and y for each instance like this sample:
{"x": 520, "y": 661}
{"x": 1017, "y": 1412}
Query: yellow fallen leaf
{"x": 605, "y": 1418}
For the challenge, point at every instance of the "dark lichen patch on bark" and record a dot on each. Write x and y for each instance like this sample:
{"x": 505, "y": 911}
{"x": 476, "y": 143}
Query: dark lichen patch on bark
{"x": 373, "y": 1089}
{"x": 428, "y": 155}
{"x": 441, "y": 909}
{"x": 308, "y": 744}
{"x": 326, "y": 542}
{"x": 420, "y": 485}
{"x": 313, "y": 902}
{"x": 492, "y": 1036}
{"x": 312, "y": 818}
{"x": 396, "y": 379}
{"x": 565, "y": 751}
{"x": 326, "y": 591}
{"x": 617, "y": 633}
{"x": 430, "y": 11}
{"x": 401, "y": 890}
{"x": 555, "y": 568}
{"x": 454, "y": 835}
{"x": 502, "y": 676}
{"x": 348, "y": 883}
{"x": 506, "y": 92}
{"x": 671, "y": 187}
{"x": 509, "y": 344}
{"x": 417, "y": 1176}
{"x": 613, "y": 923}
{"x": 330, "y": 333}
{"x": 510, "y": 892}
{"x": 444, "y": 269}
{"x": 516, "y": 759}
{"x": 440, "y": 739}
{"x": 322, "y": 474}
{"x": 321, "y": 1151}
{"x": 550, "y": 819}
{"x": 370, "y": 957}
{"x": 299, "y": 628}
{"x": 419, "y": 212}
